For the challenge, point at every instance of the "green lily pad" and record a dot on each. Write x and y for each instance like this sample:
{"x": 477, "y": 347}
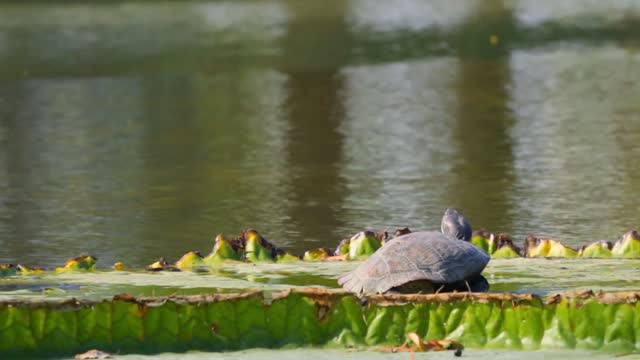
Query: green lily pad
{"x": 505, "y": 252}
{"x": 628, "y": 246}
{"x": 317, "y": 317}
{"x": 223, "y": 250}
{"x": 80, "y": 263}
{"x": 484, "y": 240}
{"x": 536, "y": 247}
{"x": 600, "y": 249}
{"x": 363, "y": 244}
{"x": 190, "y": 260}
{"x": 316, "y": 254}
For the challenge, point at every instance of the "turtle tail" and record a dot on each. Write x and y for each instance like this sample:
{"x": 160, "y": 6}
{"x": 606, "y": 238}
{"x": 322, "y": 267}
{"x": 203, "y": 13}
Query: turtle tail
{"x": 351, "y": 283}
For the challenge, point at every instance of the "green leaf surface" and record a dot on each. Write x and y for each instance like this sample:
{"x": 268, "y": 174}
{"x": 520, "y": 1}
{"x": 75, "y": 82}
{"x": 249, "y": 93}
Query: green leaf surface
{"x": 319, "y": 317}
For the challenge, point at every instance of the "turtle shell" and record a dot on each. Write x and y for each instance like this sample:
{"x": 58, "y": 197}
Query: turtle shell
{"x": 427, "y": 255}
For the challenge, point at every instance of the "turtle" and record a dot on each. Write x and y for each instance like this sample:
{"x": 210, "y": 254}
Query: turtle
{"x": 423, "y": 262}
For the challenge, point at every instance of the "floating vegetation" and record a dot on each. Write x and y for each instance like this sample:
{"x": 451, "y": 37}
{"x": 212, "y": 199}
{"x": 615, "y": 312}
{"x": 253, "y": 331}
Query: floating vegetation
{"x": 628, "y": 246}
{"x": 599, "y": 249}
{"x": 79, "y": 263}
{"x": 252, "y": 247}
{"x": 573, "y": 320}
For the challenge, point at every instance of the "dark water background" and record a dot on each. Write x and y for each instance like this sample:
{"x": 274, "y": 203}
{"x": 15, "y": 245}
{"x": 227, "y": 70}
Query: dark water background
{"x": 134, "y": 130}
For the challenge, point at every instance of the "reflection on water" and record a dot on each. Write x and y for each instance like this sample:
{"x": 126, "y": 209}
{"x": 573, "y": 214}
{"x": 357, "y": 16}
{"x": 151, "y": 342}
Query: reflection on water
{"x": 141, "y": 129}
{"x": 398, "y": 156}
{"x": 575, "y": 153}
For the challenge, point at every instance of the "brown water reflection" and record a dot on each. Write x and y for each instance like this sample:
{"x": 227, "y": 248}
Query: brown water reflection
{"x": 484, "y": 160}
{"x": 141, "y": 129}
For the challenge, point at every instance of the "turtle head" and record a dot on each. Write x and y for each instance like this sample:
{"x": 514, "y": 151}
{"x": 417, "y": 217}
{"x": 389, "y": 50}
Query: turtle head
{"x": 455, "y": 226}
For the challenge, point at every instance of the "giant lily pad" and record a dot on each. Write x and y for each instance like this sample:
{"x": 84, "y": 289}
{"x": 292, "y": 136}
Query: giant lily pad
{"x": 320, "y": 317}
{"x": 539, "y": 276}
{"x": 260, "y": 314}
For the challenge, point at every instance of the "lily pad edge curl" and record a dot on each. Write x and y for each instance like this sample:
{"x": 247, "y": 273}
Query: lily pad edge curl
{"x": 605, "y": 321}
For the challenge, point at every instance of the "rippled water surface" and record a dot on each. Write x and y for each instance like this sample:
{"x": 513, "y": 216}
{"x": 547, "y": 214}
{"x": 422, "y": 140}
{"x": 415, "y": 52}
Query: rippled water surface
{"x": 134, "y": 130}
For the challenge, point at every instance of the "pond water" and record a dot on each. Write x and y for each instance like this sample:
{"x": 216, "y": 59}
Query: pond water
{"x": 134, "y": 130}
